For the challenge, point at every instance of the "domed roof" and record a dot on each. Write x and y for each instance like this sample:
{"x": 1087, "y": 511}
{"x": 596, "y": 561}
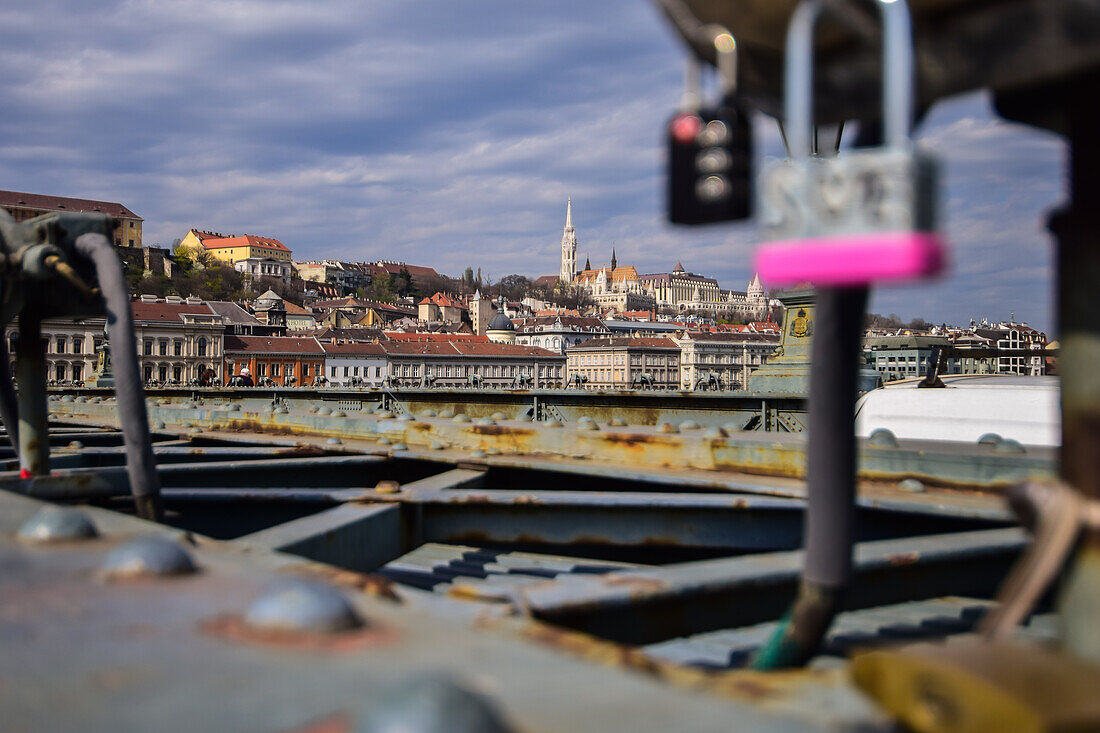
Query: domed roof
{"x": 500, "y": 322}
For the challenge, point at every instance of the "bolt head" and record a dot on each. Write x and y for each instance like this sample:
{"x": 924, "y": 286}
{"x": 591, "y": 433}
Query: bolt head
{"x": 57, "y": 524}
{"x": 146, "y": 557}
{"x": 387, "y": 487}
{"x": 883, "y": 438}
{"x": 303, "y": 606}
{"x": 434, "y": 704}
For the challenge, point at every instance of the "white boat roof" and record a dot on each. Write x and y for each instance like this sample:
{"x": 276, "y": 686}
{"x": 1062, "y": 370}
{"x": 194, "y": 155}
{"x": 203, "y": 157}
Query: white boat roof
{"x": 1025, "y": 409}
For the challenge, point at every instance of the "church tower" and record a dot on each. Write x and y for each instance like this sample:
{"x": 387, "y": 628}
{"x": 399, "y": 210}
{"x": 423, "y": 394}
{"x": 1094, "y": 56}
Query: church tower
{"x": 568, "y": 247}
{"x": 614, "y": 261}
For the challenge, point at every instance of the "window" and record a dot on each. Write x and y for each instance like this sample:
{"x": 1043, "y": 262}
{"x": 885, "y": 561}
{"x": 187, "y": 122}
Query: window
{"x": 202, "y": 346}
{"x": 177, "y": 348}
{"x": 333, "y": 372}
{"x": 148, "y": 370}
{"x": 347, "y": 371}
{"x": 261, "y": 370}
{"x": 59, "y": 372}
{"x": 275, "y": 369}
{"x": 147, "y": 350}
{"x": 355, "y": 371}
{"x": 305, "y": 371}
{"x": 288, "y": 369}
{"x": 162, "y": 373}
{"x": 177, "y": 373}
{"x": 163, "y": 351}
{"x": 61, "y": 344}
{"x": 378, "y": 371}
{"x": 78, "y": 345}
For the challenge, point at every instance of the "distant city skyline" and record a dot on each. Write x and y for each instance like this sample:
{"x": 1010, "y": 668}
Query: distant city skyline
{"x": 423, "y": 133}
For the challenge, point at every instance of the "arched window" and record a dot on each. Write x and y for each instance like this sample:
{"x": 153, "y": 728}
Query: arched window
{"x": 202, "y": 346}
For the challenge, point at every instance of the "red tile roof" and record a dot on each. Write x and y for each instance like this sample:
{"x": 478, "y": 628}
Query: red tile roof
{"x": 443, "y": 300}
{"x": 63, "y": 203}
{"x": 160, "y": 312}
{"x": 246, "y": 240}
{"x": 272, "y": 345}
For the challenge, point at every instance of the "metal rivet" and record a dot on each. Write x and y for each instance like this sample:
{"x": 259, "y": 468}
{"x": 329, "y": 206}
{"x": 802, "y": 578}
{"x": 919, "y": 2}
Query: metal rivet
{"x": 399, "y": 446}
{"x": 667, "y": 427}
{"x": 146, "y": 557}
{"x": 616, "y": 422}
{"x": 339, "y": 413}
{"x": 911, "y": 484}
{"x": 75, "y": 445}
{"x": 462, "y": 417}
{"x": 334, "y": 441}
{"x": 158, "y": 425}
{"x": 990, "y": 439}
{"x": 477, "y": 453}
{"x": 485, "y": 421}
{"x": 436, "y": 445}
{"x": 883, "y": 438}
{"x": 57, "y": 524}
{"x": 385, "y": 415}
{"x": 1009, "y": 446}
{"x": 68, "y": 398}
{"x": 587, "y": 423}
{"x": 383, "y": 440}
{"x": 427, "y": 413}
{"x": 731, "y": 428}
{"x": 280, "y": 410}
{"x": 555, "y": 423}
{"x": 715, "y": 432}
{"x": 499, "y": 416}
{"x": 235, "y": 407}
{"x": 447, "y": 413}
{"x": 324, "y": 410}
{"x": 188, "y": 424}
{"x": 690, "y": 425}
{"x": 387, "y": 487}
{"x": 433, "y": 704}
{"x": 302, "y": 606}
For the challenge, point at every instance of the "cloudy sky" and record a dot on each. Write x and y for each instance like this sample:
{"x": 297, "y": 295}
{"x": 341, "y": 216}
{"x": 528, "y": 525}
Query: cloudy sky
{"x": 447, "y": 134}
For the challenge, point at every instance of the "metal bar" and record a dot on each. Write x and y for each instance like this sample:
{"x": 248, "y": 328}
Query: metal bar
{"x": 353, "y": 536}
{"x": 647, "y": 606}
{"x": 30, "y": 369}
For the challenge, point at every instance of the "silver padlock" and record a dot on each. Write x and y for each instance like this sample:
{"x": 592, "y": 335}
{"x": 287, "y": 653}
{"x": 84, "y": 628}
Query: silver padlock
{"x": 863, "y": 215}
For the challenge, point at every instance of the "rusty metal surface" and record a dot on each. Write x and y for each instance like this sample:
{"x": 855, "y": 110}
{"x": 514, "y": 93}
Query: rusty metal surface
{"x": 548, "y": 555}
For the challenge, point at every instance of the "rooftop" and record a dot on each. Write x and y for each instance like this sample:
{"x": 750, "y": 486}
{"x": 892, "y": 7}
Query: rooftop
{"x": 64, "y": 203}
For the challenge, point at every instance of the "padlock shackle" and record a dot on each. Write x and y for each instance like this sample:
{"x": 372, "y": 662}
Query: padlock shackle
{"x": 897, "y": 74}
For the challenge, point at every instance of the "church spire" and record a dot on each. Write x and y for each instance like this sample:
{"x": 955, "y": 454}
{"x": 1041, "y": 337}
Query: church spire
{"x": 568, "y": 271}
{"x": 587, "y": 264}
{"x": 614, "y": 262}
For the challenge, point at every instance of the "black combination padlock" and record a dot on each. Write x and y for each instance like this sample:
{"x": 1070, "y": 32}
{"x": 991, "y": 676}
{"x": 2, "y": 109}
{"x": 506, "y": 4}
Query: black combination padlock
{"x": 710, "y": 151}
